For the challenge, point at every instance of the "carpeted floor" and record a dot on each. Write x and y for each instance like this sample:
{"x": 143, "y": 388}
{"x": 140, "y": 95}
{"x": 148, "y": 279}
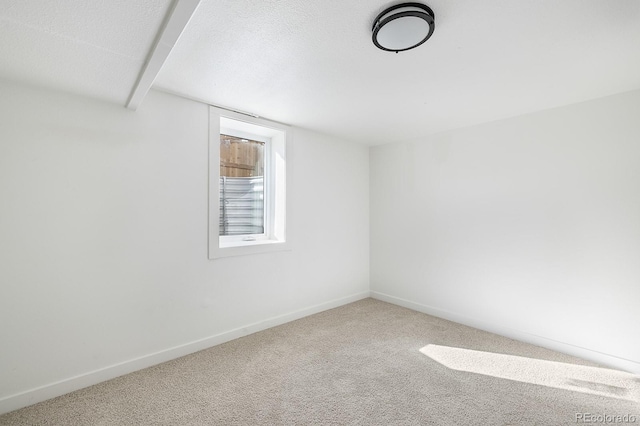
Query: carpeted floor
{"x": 366, "y": 363}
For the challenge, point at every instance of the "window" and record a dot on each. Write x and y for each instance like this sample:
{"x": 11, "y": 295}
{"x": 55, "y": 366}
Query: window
{"x": 241, "y": 185}
{"x": 248, "y": 176}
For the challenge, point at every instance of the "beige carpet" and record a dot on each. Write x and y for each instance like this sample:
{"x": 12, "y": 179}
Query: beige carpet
{"x": 367, "y": 363}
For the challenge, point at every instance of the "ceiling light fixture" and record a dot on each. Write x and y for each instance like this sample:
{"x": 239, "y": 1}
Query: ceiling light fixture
{"x": 403, "y": 27}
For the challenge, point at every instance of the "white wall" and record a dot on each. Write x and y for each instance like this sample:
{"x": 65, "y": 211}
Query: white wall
{"x": 528, "y": 226}
{"x": 103, "y": 240}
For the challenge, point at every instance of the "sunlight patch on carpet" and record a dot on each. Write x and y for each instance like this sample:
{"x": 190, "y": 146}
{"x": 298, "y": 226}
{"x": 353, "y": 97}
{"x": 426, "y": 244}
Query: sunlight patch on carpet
{"x": 559, "y": 375}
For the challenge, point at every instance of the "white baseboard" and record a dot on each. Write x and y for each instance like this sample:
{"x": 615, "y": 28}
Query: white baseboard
{"x": 588, "y": 354}
{"x": 52, "y": 390}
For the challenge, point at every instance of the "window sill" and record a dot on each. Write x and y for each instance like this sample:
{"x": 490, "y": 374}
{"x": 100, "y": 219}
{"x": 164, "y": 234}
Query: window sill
{"x": 241, "y": 248}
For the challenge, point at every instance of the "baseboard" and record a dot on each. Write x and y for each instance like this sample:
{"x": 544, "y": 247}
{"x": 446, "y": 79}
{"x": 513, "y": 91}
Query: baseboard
{"x": 52, "y": 390}
{"x": 567, "y": 348}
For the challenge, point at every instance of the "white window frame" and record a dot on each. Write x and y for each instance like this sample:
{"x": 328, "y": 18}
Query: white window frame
{"x": 277, "y": 175}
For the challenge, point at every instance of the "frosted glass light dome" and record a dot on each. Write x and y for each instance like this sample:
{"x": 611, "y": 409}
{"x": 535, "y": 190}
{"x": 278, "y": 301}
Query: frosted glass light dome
{"x": 403, "y": 27}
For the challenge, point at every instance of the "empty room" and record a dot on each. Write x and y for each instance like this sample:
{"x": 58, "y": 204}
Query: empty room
{"x": 287, "y": 212}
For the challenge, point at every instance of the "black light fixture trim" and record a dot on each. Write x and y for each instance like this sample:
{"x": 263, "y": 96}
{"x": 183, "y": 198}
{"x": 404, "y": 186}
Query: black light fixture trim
{"x": 385, "y": 17}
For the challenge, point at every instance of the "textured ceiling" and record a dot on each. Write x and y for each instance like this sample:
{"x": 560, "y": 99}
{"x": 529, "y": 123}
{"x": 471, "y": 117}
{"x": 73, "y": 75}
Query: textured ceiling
{"x": 90, "y": 47}
{"x": 312, "y": 63}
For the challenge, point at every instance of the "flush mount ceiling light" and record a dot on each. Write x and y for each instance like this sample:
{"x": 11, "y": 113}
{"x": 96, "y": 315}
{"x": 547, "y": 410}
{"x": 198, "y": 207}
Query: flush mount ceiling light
{"x": 403, "y": 27}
